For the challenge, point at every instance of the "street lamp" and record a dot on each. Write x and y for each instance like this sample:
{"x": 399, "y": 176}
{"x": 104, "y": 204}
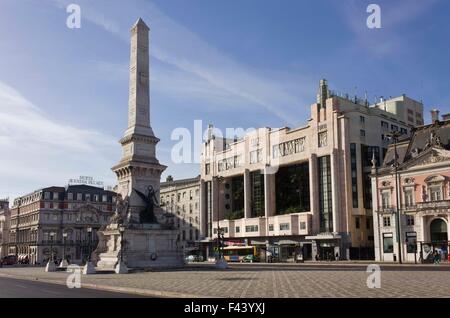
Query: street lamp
{"x": 89, "y": 267}
{"x": 89, "y": 231}
{"x": 394, "y": 135}
{"x": 64, "y": 262}
{"x": 50, "y": 267}
{"x": 121, "y": 267}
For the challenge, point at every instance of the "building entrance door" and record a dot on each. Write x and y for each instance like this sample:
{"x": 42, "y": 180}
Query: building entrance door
{"x": 439, "y": 237}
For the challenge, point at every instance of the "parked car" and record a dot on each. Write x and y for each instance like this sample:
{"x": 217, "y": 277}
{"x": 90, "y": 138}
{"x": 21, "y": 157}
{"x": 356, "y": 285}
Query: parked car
{"x": 194, "y": 258}
{"x": 9, "y": 260}
{"x": 250, "y": 259}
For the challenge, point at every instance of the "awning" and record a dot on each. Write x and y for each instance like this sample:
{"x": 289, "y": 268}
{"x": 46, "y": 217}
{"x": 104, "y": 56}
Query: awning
{"x": 327, "y": 236}
{"x": 287, "y": 242}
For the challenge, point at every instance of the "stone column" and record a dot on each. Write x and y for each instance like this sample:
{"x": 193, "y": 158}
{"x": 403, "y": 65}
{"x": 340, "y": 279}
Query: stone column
{"x": 334, "y": 188}
{"x": 215, "y": 189}
{"x": 247, "y": 195}
{"x": 269, "y": 192}
{"x": 313, "y": 194}
{"x": 203, "y": 210}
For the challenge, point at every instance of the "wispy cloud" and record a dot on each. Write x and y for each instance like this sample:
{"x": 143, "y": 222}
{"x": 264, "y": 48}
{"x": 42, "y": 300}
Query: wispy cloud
{"x": 209, "y": 73}
{"x": 41, "y": 149}
{"x": 394, "y": 15}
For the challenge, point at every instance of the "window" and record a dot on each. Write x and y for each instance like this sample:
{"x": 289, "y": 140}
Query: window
{"x": 385, "y": 199}
{"x": 325, "y": 194}
{"x": 362, "y": 119}
{"x": 403, "y": 131}
{"x": 409, "y": 201}
{"x": 357, "y": 222}
{"x": 270, "y": 227}
{"x": 256, "y": 156}
{"x": 88, "y": 197}
{"x": 436, "y": 193}
{"x": 104, "y": 198}
{"x": 394, "y": 127}
{"x": 384, "y": 125}
{"x": 284, "y": 226}
{"x": 411, "y": 242}
{"x": 251, "y": 228}
{"x": 386, "y": 221}
{"x": 362, "y": 133}
{"x": 207, "y": 169}
{"x": 238, "y": 229}
{"x": 79, "y": 196}
{"x": 354, "y": 175}
{"x": 368, "y": 222}
{"x": 96, "y": 197}
{"x": 55, "y": 196}
{"x": 47, "y": 195}
{"x": 70, "y": 196}
{"x": 292, "y": 184}
{"x": 388, "y": 243}
{"x": 410, "y": 220}
{"x": 302, "y": 225}
{"x": 323, "y": 139}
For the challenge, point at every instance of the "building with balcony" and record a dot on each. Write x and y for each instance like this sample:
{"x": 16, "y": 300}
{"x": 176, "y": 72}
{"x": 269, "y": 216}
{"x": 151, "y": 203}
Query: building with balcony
{"x": 181, "y": 198}
{"x": 57, "y": 219}
{"x": 4, "y": 226}
{"x": 420, "y": 199}
{"x": 306, "y": 190}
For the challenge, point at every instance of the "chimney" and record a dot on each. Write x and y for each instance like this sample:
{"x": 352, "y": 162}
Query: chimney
{"x": 446, "y": 117}
{"x": 434, "y": 115}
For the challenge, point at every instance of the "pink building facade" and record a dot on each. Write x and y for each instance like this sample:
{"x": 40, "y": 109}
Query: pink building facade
{"x": 420, "y": 199}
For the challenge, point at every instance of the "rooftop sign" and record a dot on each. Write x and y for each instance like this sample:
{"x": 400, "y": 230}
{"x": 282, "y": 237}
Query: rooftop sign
{"x": 86, "y": 180}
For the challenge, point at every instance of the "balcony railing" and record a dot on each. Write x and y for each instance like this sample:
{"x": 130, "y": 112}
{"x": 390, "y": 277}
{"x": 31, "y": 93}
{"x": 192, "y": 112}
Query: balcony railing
{"x": 387, "y": 209}
{"x": 431, "y": 205}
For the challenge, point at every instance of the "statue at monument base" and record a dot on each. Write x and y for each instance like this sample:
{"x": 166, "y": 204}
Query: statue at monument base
{"x": 138, "y": 245}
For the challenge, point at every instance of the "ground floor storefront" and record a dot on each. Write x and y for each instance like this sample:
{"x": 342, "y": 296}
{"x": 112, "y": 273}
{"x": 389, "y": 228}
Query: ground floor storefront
{"x": 327, "y": 247}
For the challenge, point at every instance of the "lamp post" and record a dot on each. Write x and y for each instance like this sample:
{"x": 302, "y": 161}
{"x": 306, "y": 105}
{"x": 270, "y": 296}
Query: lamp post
{"x": 121, "y": 267}
{"x": 50, "y": 267}
{"x": 394, "y": 135}
{"x": 89, "y": 267}
{"x": 64, "y": 262}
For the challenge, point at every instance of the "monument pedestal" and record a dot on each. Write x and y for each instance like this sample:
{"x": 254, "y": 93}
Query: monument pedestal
{"x": 146, "y": 246}
{"x": 50, "y": 267}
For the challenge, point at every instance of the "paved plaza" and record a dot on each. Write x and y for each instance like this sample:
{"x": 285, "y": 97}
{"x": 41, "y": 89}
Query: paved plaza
{"x": 264, "y": 280}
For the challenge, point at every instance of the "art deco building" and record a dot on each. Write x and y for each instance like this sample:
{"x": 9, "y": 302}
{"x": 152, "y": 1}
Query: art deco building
{"x": 304, "y": 190}
{"x": 40, "y": 219}
{"x": 420, "y": 197}
{"x": 181, "y": 198}
{"x": 4, "y": 226}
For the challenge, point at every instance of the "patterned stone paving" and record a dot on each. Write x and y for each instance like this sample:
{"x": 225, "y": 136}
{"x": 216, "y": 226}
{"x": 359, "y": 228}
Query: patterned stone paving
{"x": 270, "y": 281}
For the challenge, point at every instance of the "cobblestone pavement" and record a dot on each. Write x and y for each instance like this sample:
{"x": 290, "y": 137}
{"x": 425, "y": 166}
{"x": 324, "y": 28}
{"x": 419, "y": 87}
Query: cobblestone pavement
{"x": 267, "y": 281}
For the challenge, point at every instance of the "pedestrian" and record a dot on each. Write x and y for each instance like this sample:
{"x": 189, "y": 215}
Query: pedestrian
{"x": 317, "y": 257}
{"x": 435, "y": 257}
{"x": 337, "y": 256}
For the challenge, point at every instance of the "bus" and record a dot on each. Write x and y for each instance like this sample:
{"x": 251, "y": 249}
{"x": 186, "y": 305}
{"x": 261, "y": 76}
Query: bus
{"x": 239, "y": 253}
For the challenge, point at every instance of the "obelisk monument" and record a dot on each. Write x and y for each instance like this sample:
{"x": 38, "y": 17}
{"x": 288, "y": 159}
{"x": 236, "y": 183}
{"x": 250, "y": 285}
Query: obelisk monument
{"x": 139, "y": 235}
{"x": 138, "y": 168}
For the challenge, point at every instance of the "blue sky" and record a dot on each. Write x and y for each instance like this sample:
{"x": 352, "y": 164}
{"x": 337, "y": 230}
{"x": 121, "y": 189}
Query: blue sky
{"x": 246, "y": 63}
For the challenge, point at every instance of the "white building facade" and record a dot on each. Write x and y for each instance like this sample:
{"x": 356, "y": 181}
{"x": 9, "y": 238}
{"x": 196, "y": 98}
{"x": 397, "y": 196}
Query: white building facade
{"x": 303, "y": 191}
{"x": 181, "y": 198}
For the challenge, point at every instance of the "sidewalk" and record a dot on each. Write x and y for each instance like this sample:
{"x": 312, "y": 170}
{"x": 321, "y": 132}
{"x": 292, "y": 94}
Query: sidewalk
{"x": 259, "y": 280}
